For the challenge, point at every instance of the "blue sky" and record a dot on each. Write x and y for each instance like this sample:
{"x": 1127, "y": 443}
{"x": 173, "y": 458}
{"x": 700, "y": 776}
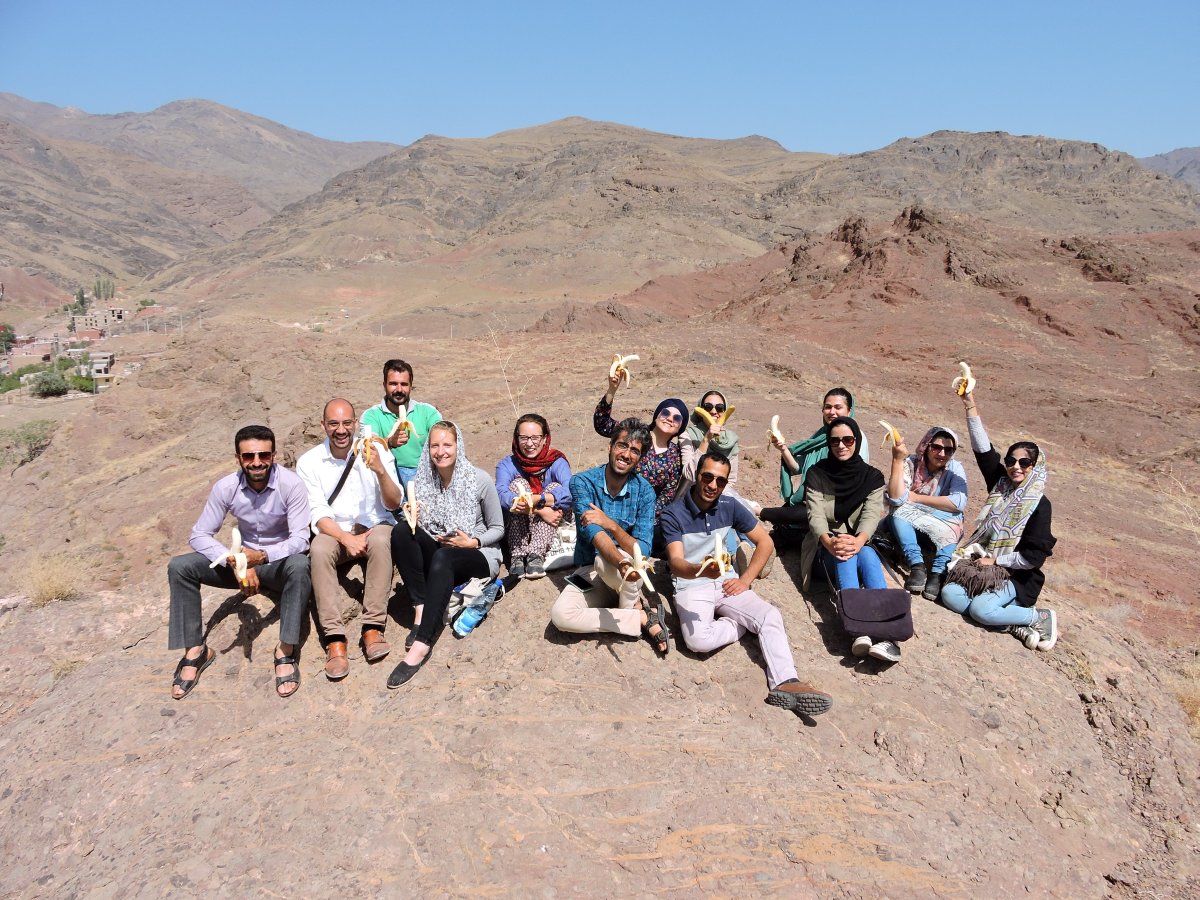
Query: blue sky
{"x": 825, "y": 77}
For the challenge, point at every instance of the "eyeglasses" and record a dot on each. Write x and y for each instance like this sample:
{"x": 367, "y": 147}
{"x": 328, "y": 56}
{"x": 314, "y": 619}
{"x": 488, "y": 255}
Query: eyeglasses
{"x": 713, "y": 407}
{"x": 1024, "y": 462}
{"x": 625, "y": 446}
{"x": 670, "y": 416}
{"x": 942, "y": 449}
{"x": 847, "y": 440}
{"x": 531, "y": 438}
{"x": 250, "y": 456}
{"x": 713, "y": 477}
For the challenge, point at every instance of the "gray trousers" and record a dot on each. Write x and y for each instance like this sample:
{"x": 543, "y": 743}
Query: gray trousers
{"x": 288, "y": 576}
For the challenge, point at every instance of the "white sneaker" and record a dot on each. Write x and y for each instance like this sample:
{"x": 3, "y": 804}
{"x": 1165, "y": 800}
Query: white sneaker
{"x": 1045, "y": 626}
{"x": 1026, "y": 634}
{"x": 888, "y": 651}
{"x": 861, "y": 646}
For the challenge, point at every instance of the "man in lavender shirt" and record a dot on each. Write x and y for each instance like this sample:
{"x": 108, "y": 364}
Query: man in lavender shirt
{"x": 270, "y": 506}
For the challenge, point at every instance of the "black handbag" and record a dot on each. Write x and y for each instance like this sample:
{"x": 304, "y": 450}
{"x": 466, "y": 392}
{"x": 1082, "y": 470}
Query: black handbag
{"x": 880, "y": 614}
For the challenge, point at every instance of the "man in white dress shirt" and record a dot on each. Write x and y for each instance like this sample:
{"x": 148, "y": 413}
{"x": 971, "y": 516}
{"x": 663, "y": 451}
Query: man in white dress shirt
{"x": 355, "y": 525}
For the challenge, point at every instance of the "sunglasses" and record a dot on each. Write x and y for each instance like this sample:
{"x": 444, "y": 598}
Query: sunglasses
{"x": 942, "y": 449}
{"x": 670, "y": 416}
{"x": 713, "y": 407}
{"x": 250, "y": 456}
{"x": 846, "y": 440}
{"x": 712, "y": 477}
{"x": 1024, "y": 462}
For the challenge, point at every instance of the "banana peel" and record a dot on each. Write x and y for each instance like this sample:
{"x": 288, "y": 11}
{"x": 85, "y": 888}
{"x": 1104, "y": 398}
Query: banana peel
{"x": 892, "y": 436}
{"x": 238, "y": 553}
{"x": 774, "y": 432}
{"x": 965, "y": 383}
{"x": 620, "y": 367}
{"x": 642, "y": 566}
{"x": 409, "y": 507}
{"x": 711, "y": 420}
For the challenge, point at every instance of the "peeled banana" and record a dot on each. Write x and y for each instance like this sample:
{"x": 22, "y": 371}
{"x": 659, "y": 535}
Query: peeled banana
{"x": 620, "y": 366}
{"x": 641, "y": 565}
{"x": 401, "y": 422}
{"x": 238, "y": 553}
{"x": 965, "y": 383}
{"x": 892, "y": 436}
{"x": 774, "y": 431}
{"x": 719, "y": 420}
{"x": 719, "y": 558}
{"x": 409, "y": 507}
{"x": 527, "y": 497}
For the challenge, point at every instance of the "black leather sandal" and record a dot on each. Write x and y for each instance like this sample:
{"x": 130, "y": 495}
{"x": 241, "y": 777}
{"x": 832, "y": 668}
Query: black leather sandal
{"x": 292, "y": 677}
{"x": 201, "y": 663}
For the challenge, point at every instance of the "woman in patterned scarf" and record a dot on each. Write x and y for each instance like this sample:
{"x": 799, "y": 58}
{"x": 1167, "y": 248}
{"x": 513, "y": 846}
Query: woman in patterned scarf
{"x": 458, "y": 534}
{"x": 928, "y": 494}
{"x": 997, "y": 574}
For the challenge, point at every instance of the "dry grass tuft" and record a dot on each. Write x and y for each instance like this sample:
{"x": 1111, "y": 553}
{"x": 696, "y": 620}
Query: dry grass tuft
{"x": 53, "y": 578}
{"x": 1187, "y": 689}
{"x": 61, "y": 668}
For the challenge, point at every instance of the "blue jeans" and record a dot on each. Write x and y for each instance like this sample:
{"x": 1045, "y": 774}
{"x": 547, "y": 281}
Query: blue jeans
{"x": 907, "y": 536}
{"x": 405, "y": 474}
{"x": 861, "y": 570}
{"x": 996, "y": 608}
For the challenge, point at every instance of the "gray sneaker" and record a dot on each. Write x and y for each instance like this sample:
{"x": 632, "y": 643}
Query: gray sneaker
{"x": 516, "y": 568}
{"x": 1046, "y": 628}
{"x": 535, "y": 567}
{"x": 861, "y": 646}
{"x": 888, "y": 651}
{"x": 1026, "y": 634}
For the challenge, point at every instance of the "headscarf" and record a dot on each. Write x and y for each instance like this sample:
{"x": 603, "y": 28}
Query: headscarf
{"x": 1007, "y": 509}
{"x": 534, "y": 468}
{"x": 852, "y": 479}
{"x": 679, "y": 406}
{"x": 455, "y": 507}
{"x": 697, "y": 430}
{"x": 917, "y": 477}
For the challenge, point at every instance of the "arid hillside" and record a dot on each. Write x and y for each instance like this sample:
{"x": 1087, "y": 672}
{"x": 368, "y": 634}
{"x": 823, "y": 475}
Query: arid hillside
{"x": 277, "y": 164}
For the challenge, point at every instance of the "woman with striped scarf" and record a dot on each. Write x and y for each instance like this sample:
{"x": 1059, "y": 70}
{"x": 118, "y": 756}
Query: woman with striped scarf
{"x": 996, "y": 575}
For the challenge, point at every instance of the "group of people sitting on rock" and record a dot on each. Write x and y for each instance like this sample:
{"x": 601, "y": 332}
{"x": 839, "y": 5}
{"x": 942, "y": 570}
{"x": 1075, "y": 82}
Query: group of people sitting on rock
{"x": 396, "y": 490}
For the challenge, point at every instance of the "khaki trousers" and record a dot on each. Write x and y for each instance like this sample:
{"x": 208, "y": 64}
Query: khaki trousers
{"x": 326, "y": 555}
{"x": 580, "y": 612}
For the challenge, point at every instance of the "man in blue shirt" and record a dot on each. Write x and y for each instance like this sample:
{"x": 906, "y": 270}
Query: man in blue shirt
{"x": 614, "y": 511}
{"x": 715, "y": 604}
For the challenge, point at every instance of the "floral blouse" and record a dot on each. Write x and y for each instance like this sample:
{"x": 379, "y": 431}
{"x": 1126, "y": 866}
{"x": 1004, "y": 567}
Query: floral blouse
{"x": 663, "y": 470}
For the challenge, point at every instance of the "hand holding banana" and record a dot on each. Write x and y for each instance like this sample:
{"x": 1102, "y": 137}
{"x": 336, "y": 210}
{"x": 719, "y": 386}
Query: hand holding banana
{"x": 619, "y": 369}
{"x": 237, "y": 556}
{"x": 717, "y": 421}
{"x": 964, "y": 383}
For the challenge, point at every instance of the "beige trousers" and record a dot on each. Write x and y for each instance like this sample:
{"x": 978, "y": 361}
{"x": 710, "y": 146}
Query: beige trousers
{"x": 588, "y": 612}
{"x": 326, "y": 555}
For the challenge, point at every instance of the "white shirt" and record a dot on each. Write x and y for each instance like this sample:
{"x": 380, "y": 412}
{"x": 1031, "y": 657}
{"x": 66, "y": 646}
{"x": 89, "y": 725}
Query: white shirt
{"x": 360, "y": 501}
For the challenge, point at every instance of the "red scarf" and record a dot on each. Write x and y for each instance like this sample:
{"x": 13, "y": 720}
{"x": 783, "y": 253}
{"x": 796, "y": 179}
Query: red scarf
{"x": 533, "y": 469}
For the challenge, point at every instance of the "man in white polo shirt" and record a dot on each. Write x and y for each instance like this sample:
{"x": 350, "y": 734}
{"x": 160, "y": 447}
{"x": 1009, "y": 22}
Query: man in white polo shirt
{"x": 351, "y": 499}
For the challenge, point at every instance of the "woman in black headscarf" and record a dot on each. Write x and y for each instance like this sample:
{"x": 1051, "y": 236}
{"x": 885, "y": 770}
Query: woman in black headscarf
{"x": 843, "y": 496}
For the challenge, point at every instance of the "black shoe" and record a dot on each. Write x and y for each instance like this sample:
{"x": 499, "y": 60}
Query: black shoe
{"x": 915, "y": 582}
{"x": 403, "y": 673}
{"x": 933, "y": 587}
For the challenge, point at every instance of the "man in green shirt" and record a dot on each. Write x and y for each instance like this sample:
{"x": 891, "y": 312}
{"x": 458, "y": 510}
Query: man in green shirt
{"x": 398, "y": 406}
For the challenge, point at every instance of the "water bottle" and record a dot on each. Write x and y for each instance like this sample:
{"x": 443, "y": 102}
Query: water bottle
{"x": 470, "y": 617}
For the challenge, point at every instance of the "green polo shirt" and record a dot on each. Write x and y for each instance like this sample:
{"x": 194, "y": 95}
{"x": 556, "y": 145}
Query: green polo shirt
{"x": 422, "y": 416}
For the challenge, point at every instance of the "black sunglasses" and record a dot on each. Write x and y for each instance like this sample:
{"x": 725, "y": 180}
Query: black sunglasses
{"x": 249, "y": 456}
{"x": 713, "y": 407}
{"x": 943, "y": 449}
{"x": 710, "y": 477}
{"x": 847, "y": 440}
{"x": 1024, "y": 462}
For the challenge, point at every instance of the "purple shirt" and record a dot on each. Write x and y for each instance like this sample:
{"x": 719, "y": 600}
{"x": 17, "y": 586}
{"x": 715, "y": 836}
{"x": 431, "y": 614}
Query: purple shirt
{"x": 274, "y": 520}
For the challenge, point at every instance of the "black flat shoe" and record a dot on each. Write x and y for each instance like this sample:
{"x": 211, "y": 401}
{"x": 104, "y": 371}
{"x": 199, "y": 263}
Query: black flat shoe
{"x": 403, "y": 673}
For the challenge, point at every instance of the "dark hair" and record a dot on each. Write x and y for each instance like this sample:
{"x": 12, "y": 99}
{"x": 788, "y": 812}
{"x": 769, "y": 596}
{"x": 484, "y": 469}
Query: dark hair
{"x": 635, "y": 431}
{"x": 325, "y": 408}
{"x": 531, "y": 417}
{"x": 839, "y": 392}
{"x": 714, "y": 455}
{"x": 253, "y": 433}
{"x": 1026, "y": 445}
{"x": 398, "y": 365}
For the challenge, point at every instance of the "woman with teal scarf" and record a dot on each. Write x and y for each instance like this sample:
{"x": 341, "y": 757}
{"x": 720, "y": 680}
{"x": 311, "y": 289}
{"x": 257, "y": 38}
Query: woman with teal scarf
{"x": 791, "y": 519}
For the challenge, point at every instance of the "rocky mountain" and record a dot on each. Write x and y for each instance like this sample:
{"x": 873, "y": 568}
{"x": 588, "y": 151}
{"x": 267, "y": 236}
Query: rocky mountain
{"x": 71, "y": 211}
{"x": 277, "y": 164}
{"x": 1183, "y": 164}
{"x": 586, "y": 209}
